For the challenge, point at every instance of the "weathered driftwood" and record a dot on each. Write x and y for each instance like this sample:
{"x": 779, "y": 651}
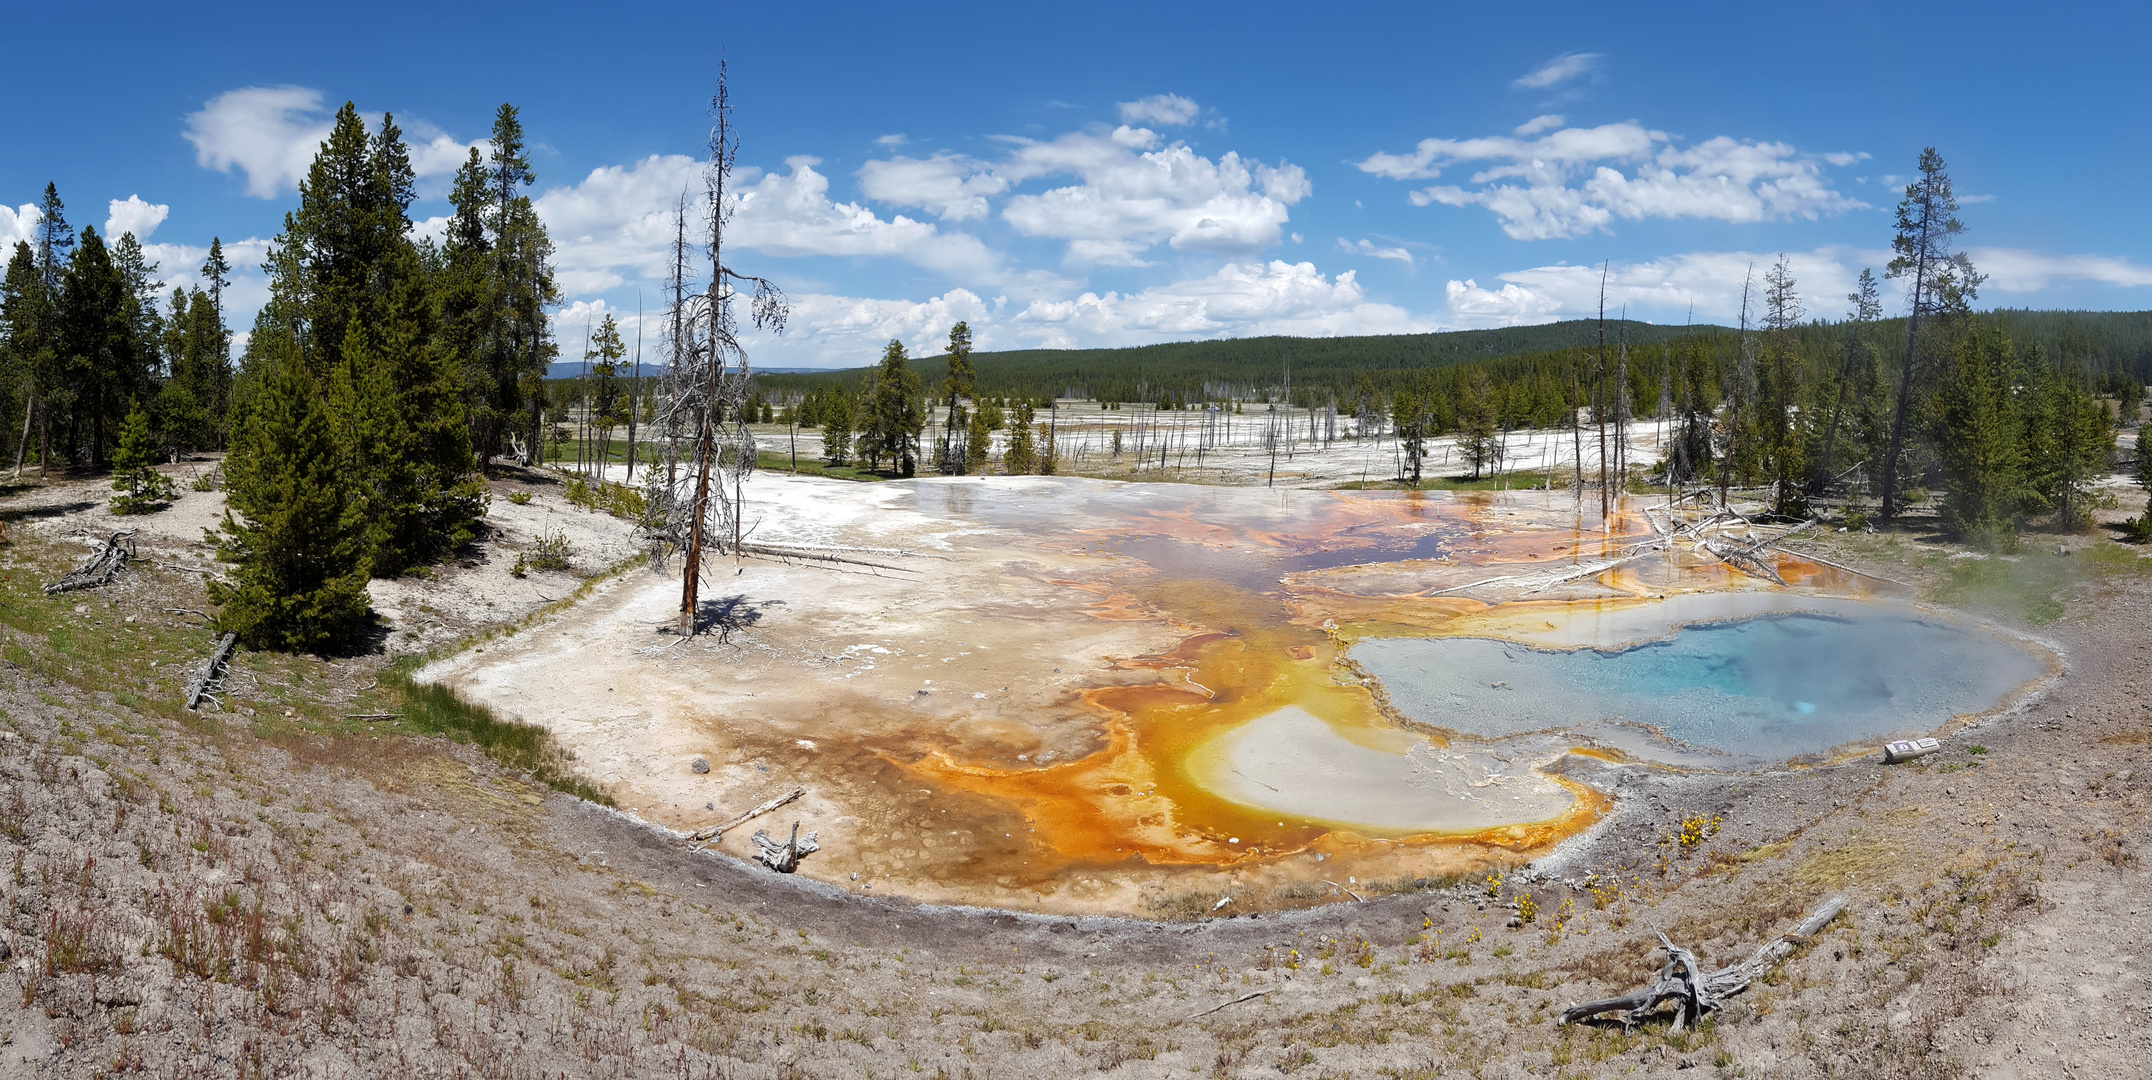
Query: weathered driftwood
{"x": 785, "y": 857}
{"x": 1694, "y": 991}
{"x": 206, "y": 681}
{"x": 103, "y": 565}
{"x": 717, "y": 832}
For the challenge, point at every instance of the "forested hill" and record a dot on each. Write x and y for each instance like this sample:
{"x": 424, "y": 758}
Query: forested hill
{"x": 2098, "y": 343}
{"x": 1192, "y": 367}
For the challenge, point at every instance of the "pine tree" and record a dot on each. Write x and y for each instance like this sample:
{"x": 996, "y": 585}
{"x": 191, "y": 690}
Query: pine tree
{"x": 100, "y": 354}
{"x": 979, "y": 437}
{"x": 1478, "y": 431}
{"x": 956, "y": 389}
{"x": 216, "y": 273}
{"x": 1021, "y": 458}
{"x": 1979, "y": 440}
{"x": 1781, "y": 415}
{"x": 892, "y": 417}
{"x": 517, "y": 345}
{"x": 142, "y": 488}
{"x": 836, "y": 418}
{"x": 295, "y": 531}
{"x": 1943, "y": 284}
{"x": 28, "y": 356}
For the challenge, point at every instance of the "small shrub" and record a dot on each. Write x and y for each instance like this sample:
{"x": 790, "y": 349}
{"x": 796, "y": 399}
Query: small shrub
{"x": 551, "y": 552}
{"x": 520, "y": 498}
{"x": 209, "y": 481}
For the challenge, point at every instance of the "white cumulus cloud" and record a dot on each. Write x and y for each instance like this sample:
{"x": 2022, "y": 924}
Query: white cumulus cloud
{"x": 1135, "y": 193}
{"x": 1166, "y": 110}
{"x": 949, "y": 185}
{"x": 1240, "y": 300}
{"x": 1571, "y": 181}
{"x": 1665, "y": 289}
{"x": 617, "y": 223}
{"x": 1559, "y": 70}
{"x": 271, "y": 133}
{"x": 17, "y": 224}
{"x": 132, "y": 215}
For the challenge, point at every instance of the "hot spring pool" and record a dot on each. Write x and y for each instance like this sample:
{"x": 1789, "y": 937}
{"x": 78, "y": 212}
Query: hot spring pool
{"x": 1776, "y": 686}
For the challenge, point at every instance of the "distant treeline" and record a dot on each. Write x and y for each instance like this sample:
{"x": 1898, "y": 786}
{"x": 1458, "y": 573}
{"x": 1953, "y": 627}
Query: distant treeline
{"x": 2112, "y": 349}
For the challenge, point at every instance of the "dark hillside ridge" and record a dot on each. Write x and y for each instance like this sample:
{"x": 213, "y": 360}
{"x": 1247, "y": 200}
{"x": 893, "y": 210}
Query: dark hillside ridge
{"x": 2103, "y": 344}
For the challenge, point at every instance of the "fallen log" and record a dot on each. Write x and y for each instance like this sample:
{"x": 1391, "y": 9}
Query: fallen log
{"x": 784, "y": 858}
{"x": 717, "y": 832}
{"x": 206, "y": 681}
{"x": 1694, "y": 991}
{"x": 104, "y": 564}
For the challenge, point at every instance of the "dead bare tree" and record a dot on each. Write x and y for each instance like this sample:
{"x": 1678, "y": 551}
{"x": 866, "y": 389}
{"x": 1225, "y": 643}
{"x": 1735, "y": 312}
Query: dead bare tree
{"x": 710, "y": 382}
{"x": 104, "y": 564}
{"x": 1694, "y": 991}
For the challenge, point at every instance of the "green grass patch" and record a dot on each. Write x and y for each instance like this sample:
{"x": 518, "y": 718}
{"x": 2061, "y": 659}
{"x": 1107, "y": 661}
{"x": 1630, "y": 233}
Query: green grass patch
{"x": 2037, "y": 585}
{"x": 781, "y": 461}
{"x": 433, "y": 709}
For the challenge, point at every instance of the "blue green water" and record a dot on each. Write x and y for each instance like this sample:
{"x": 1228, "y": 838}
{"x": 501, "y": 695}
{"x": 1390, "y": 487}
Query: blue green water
{"x": 1774, "y": 687}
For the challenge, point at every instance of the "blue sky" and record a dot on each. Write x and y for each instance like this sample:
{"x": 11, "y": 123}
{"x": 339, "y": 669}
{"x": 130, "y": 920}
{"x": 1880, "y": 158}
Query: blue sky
{"x": 1103, "y": 174}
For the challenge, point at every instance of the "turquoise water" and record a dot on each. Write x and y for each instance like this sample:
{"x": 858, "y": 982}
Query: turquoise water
{"x": 1774, "y": 687}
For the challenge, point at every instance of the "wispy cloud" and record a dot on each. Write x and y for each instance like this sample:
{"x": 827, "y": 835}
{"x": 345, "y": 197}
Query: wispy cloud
{"x": 1370, "y": 249}
{"x": 1560, "y": 70}
{"x": 1165, "y": 110}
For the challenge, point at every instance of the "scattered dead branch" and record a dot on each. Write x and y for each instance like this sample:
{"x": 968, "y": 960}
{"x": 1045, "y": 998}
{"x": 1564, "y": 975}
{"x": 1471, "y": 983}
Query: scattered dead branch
{"x": 103, "y": 565}
{"x": 717, "y": 832}
{"x": 1221, "y": 1005}
{"x": 784, "y": 858}
{"x": 1694, "y": 991}
{"x": 207, "y": 681}
{"x": 373, "y": 717}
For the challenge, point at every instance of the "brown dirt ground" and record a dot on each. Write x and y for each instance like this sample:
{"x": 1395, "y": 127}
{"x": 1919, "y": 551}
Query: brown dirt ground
{"x": 187, "y": 895}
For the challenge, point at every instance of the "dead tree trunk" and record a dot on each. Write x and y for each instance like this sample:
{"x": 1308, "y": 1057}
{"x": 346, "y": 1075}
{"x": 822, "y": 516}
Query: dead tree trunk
{"x": 206, "y": 681}
{"x": 785, "y": 857}
{"x": 103, "y": 565}
{"x": 1694, "y": 991}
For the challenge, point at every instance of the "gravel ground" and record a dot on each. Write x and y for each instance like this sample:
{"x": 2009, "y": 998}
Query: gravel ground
{"x": 222, "y": 895}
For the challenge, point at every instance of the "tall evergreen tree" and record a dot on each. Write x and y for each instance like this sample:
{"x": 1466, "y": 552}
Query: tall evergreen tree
{"x": 1782, "y": 415}
{"x": 216, "y": 273}
{"x": 1979, "y": 440}
{"x": 893, "y": 416}
{"x": 296, "y": 531}
{"x": 99, "y": 351}
{"x": 29, "y": 357}
{"x": 519, "y": 348}
{"x": 956, "y": 389}
{"x": 1942, "y": 283}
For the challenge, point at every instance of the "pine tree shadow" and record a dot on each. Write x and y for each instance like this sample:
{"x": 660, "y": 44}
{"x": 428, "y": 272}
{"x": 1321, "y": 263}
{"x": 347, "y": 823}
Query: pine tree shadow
{"x": 727, "y": 615}
{"x": 50, "y": 510}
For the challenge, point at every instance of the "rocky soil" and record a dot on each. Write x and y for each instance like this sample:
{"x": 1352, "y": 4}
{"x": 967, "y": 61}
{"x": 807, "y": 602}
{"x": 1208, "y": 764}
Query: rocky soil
{"x": 278, "y": 890}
